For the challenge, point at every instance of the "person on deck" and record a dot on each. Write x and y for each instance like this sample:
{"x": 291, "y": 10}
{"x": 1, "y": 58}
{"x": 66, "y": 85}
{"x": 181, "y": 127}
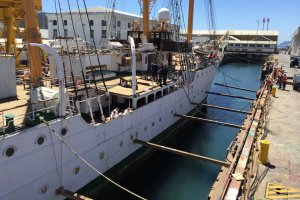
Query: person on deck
{"x": 154, "y": 72}
{"x": 115, "y": 113}
{"x": 165, "y": 75}
{"x": 160, "y": 74}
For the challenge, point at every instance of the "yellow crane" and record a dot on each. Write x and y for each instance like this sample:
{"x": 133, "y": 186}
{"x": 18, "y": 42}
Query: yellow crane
{"x": 11, "y": 12}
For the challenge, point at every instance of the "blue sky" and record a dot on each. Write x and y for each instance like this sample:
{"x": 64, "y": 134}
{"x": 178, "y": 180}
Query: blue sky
{"x": 231, "y": 14}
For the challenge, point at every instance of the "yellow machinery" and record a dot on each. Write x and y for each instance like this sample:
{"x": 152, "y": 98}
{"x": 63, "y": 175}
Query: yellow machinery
{"x": 11, "y": 12}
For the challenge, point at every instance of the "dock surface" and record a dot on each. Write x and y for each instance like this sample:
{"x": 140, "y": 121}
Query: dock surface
{"x": 283, "y": 131}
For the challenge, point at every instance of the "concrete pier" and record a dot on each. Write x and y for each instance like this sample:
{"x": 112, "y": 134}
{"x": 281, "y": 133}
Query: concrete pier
{"x": 283, "y": 131}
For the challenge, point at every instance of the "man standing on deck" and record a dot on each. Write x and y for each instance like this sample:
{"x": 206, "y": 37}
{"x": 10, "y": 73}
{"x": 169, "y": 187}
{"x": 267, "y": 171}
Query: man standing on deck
{"x": 160, "y": 74}
{"x": 154, "y": 72}
{"x": 165, "y": 75}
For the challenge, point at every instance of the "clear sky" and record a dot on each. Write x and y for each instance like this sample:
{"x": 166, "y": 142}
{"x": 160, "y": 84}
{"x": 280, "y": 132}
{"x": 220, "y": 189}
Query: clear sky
{"x": 231, "y": 14}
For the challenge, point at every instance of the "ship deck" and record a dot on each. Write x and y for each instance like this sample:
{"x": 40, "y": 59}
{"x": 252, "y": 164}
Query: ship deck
{"x": 21, "y": 106}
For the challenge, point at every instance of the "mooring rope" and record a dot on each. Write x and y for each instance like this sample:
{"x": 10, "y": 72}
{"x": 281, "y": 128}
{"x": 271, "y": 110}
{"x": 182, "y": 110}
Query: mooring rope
{"x": 90, "y": 166}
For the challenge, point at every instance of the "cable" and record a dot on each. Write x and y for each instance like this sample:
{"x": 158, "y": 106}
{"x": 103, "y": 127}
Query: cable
{"x": 89, "y": 165}
{"x": 95, "y": 45}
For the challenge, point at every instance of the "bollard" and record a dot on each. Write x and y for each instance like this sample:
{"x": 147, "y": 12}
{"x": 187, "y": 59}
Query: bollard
{"x": 264, "y": 151}
{"x": 273, "y": 91}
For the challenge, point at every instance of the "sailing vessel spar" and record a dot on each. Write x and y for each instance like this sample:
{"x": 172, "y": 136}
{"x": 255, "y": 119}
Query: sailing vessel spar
{"x": 61, "y": 116}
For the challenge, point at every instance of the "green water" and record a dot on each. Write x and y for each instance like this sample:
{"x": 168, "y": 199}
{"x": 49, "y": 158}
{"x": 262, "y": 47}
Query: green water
{"x": 170, "y": 177}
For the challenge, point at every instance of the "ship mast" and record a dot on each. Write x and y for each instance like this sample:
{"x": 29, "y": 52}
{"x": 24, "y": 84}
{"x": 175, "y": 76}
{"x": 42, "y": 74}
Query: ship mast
{"x": 190, "y": 20}
{"x": 32, "y": 35}
{"x": 146, "y": 4}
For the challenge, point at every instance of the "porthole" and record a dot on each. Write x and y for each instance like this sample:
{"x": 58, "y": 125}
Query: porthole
{"x": 121, "y": 143}
{"x": 101, "y": 155}
{"x": 159, "y": 119}
{"x": 153, "y": 124}
{"x": 10, "y": 151}
{"x": 63, "y": 131}
{"x": 171, "y": 111}
{"x": 145, "y": 129}
{"x": 40, "y": 140}
{"x": 180, "y": 105}
{"x": 43, "y": 189}
{"x": 136, "y": 134}
{"x": 131, "y": 136}
{"x": 76, "y": 170}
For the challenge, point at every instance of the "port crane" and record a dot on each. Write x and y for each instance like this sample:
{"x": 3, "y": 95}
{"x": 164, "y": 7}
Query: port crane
{"x": 11, "y": 13}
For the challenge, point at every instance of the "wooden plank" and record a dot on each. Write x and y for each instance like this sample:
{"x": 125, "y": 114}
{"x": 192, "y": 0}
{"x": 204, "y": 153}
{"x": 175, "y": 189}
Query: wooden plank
{"x": 234, "y": 87}
{"x": 229, "y": 95}
{"x": 224, "y": 108}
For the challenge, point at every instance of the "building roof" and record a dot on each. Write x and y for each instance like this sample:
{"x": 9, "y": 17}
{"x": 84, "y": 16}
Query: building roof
{"x": 99, "y": 9}
{"x": 236, "y": 32}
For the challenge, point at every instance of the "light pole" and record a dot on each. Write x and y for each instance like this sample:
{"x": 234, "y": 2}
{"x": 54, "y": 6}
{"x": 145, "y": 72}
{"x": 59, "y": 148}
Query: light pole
{"x": 257, "y": 25}
{"x": 264, "y": 21}
{"x": 268, "y": 20}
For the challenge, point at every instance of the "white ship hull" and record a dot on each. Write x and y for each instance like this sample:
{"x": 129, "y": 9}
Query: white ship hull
{"x": 36, "y": 171}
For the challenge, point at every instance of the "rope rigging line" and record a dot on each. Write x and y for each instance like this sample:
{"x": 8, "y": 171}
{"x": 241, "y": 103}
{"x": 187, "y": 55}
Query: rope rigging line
{"x": 71, "y": 67}
{"x": 76, "y": 41}
{"x": 94, "y": 43}
{"x": 85, "y": 38}
{"x": 90, "y": 166}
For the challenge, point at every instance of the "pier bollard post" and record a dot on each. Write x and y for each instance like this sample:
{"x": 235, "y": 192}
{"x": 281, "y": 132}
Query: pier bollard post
{"x": 273, "y": 91}
{"x": 264, "y": 151}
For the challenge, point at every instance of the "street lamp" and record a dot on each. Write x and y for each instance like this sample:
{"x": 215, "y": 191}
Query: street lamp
{"x": 268, "y": 20}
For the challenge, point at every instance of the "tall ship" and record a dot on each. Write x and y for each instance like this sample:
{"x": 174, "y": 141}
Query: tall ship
{"x": 74, "y": 112}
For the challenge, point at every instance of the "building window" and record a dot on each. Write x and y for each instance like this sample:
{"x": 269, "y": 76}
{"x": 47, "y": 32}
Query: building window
{"x": 66, "y": 32}
{"x": 259, "y": 45}
{"x": 118, "y": 24}
{"x": 119, "y": 35}
{"x": 91, "y": 22}
{"x": 267, "y": 45}
{"x": 54, "y": 32}
{"x": 252, "y": 45}
{"x": 103, "y": 22}
{"x": 245, "y": 45}
{"x": 65, "y": 22}
{"x": 103, "y": 33}
{"x": 54, "y": 22}
{"x": 92, "y": 34}
{"x": 129, "y": 25}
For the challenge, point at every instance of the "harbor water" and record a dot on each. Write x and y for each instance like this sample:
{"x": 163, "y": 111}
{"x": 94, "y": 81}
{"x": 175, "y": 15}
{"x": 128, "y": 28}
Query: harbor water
{"x": 169, "y": 176}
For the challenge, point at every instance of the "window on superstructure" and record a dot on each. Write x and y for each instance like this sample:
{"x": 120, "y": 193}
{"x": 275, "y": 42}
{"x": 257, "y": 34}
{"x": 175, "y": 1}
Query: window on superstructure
{"x": 54, "y": 32}
{"x": 54, "y": 22}
{"x": 103, "y": 33}
{"x": 252, "y": 45}
{"x": 92, "y": 34}
{"x": 129, "y": 25}
{"x": 103, "y": 22}
{"x": 66, "y": 32}
{"x": 245, "y": 45}
{"x": 91, "y": 22}
{"x": 118, "y": 24}
{"x": 267, "y": 45}
{"x": 119, "y": 35}
{"x": 259, "y": 45}
{"x": 65, "y": 22}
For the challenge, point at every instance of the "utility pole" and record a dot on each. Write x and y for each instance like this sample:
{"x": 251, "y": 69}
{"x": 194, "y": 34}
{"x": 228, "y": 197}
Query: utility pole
{"x": 257, "y": 26}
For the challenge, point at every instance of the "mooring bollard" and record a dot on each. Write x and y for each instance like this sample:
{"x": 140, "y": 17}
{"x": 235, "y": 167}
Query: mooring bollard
{"x": 264, "y": 151}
